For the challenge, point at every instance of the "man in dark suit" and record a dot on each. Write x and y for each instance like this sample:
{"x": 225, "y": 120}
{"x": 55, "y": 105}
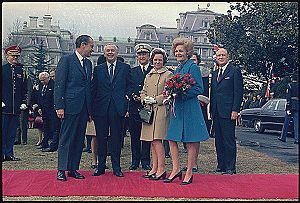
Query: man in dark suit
{"x": 292, "y": 110}
{"x": 140, "y": 150}
{"x": 14, "y": 94}
{"x": 55, "y": 121}
{"x": 72, "y": 99}
{"x": 110, "y": 84}
{"x": 46, "y": 107}
{"x": 226, "y": 98}
{"x": 261, "y": 101}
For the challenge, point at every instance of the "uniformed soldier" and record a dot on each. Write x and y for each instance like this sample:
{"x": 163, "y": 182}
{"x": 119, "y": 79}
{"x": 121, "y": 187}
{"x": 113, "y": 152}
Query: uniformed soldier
{"x": 14, "y": 93}
{"x": 140, "y": 149}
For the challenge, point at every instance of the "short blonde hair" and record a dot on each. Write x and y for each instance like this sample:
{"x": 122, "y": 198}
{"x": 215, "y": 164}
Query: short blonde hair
{"x": 187, "y": 43}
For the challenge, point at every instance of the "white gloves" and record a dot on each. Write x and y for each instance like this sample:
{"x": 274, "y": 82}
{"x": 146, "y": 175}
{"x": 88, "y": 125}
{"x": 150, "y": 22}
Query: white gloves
{"x": 34, "y": 106}
{"x": 288, "y": 112}
{"x": 23, "y": 107}
{"x": 149, "y": 100}
{"x": 3, "y": 105}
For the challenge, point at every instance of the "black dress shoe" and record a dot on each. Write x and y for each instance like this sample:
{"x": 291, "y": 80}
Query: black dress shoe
{"x": 98, "y": 172}
{"x": 41, "y": 147}
{"x": 12, "y": 158}
{"x": 118, "y": 173}
{"x": 17, "y": 143}
{"x": 48, "y": 150}
{"x": 229, "y": 172}
{"x": 282, "y": 140}
{"x": 146, "y": 167}
{"x": 24, "y": 143}
{"x": 133, "y": 167}
{"x": 188, "y": 182}
{"x": 61, "y": 176}
{"x": 75, "y": 175}
{"x": 86, "y": 150}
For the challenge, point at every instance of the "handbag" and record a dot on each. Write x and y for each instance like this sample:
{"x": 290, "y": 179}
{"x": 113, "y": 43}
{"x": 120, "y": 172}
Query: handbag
{"x": 146, "y": 115}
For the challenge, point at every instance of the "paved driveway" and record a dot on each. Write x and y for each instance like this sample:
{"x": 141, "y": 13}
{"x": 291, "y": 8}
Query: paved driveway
{"x": 269, "y": 144}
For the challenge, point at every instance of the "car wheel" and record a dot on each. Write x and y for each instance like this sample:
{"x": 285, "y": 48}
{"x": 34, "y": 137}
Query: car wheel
{"x": 258, "y": 127}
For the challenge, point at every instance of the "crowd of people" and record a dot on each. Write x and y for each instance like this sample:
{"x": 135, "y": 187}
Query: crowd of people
{"x": 103, "y": 103}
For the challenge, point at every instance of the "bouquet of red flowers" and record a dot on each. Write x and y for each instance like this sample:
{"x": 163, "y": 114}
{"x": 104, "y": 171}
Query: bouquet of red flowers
{"x": 177, "y": 85}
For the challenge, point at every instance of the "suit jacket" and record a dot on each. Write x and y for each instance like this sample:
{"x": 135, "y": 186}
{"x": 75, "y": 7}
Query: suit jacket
{"x": 138, "y": 78}
{"x": 104, "y": 91}
{"x": 14, "y": 88}
{"x": 46, "y": 100}
{"x": 292, "y": 96}
{"x": 227, "y": 94}
{"x": 72, "y": 85}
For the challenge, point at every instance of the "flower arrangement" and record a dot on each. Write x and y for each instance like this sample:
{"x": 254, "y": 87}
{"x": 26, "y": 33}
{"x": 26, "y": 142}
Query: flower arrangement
{"x": 177, "y": 85}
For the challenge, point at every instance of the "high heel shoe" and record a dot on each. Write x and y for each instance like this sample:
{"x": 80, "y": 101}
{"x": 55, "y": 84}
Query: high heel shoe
{"x": 148, "y": 175}
{"x": 179, "y": 175}
{"x": 163, "y": 176}
{"x": 188, "y": 182}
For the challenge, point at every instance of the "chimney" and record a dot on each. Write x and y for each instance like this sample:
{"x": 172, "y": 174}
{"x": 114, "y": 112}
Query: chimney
{"x": 47, "y": 21}
{"x": 33, "y": 21}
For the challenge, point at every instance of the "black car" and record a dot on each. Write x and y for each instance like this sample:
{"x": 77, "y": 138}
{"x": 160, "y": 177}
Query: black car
{"x": 270, "y": 116}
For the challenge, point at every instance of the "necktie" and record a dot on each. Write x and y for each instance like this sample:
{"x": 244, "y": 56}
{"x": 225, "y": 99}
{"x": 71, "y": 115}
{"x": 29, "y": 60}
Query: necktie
{"x": 84, "y": 65}
{"x": 44, "y": 90}
{"x": 143, "y": 69}
{"x": 111, "y": 74}
{"x": 220, "y": 74}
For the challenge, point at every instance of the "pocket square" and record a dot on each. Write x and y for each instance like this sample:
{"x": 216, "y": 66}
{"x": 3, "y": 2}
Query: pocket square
{"x": 227, "y": 78}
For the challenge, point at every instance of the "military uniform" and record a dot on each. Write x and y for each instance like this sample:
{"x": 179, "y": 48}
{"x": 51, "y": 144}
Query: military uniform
{"x": 140, "y": 150}
{"x": 14, "y": 93}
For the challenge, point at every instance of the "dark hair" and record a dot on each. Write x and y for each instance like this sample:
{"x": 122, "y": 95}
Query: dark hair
{"x": 82, "y": 39}
{"x": 119, "y": 58}
{"x": 101, "y": 59}
{"x": 198, "y": 58}
{"x": 159, "y": 51}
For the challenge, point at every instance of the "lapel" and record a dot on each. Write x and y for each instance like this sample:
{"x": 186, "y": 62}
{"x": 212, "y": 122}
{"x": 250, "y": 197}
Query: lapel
{"x": 78, "y": 64}
{"x": 117, "y": 70}
{"x": 105, "y": 69}
{"x": 227, "y": 70}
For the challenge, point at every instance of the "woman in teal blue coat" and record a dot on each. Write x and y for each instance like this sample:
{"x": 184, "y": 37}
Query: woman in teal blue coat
{"x": 187, "y": 123}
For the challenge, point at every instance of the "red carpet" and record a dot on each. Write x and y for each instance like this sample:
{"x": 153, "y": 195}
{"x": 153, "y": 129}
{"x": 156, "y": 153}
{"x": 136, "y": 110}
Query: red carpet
{"x": 240, "y": 186}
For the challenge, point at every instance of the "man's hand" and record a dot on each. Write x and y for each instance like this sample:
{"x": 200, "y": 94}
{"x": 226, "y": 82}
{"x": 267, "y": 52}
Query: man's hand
{"x": 3, "y": 105}
{"x": 60, "y": 113}
{"x": 234, "y": 115}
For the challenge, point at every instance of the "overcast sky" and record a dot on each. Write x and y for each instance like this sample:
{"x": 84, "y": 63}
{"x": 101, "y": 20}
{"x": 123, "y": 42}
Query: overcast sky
{"x": 118, "y": 19}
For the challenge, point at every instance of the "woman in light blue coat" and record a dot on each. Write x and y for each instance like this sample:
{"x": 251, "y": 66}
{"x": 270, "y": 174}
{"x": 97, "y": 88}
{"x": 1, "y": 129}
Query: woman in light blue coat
{"x": 187, "y": 123}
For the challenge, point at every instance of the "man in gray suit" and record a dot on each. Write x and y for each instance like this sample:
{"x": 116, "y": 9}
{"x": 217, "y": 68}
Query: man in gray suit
{"x": 226, "y": 98}
{"x": 72, "y": 100}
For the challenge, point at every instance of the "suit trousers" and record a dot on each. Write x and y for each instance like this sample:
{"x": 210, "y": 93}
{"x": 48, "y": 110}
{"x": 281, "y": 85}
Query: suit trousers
{"x": 71, "y": 140}
{"x": 22, "y": 130}
{"x": 10, "y": 123}
{"x": 225, "y": 142}
{"x": 111, "y": 123}
{"x": 56, "y": 129}
{"x": 140, "y": 149}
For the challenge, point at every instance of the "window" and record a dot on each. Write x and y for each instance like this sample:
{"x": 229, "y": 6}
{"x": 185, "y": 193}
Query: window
{"x": 281, "y": 105}
{"x": 205, "y": 40}
{"x": 147, "y": 36}
{"x": 99, "y": 48}
{"x": 204, "y": 52}
{"x": 270, "y": 105}
{"x": 205, "y": 24}
{"x": 195, "y": 39}
{"x": 129, "y": 50}
{"x": 33, "y": 41}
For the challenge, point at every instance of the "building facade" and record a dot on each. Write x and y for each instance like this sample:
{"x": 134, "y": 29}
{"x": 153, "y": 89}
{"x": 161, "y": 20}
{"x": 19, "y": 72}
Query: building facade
{"x": 58, "y": 42}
